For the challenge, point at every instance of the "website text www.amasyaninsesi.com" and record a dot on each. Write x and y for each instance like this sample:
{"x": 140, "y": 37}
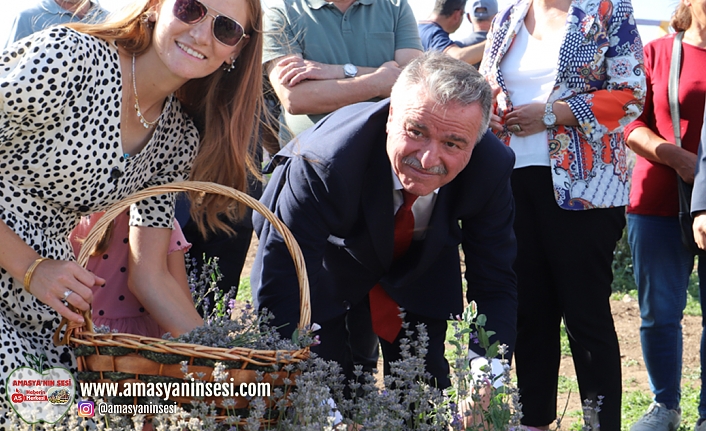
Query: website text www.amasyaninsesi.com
{"x": 167, "y": 390}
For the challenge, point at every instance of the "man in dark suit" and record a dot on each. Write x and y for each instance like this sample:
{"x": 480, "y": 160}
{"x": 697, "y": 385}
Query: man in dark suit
{"x": 338, "y": 187}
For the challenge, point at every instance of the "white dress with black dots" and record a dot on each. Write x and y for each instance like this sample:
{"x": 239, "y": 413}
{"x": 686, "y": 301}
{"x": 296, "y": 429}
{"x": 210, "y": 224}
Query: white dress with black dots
{"x": 61, "y": 158}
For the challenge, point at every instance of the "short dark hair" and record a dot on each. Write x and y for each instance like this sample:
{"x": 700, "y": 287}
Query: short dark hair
{"x": 448, "y": 7}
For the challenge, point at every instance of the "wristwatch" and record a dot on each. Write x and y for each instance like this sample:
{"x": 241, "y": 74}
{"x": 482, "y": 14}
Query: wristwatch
{"x": 549, "y": 119}
{"x": 349, "y": 70}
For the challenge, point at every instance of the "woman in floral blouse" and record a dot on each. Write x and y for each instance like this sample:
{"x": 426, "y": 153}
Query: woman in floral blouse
{"x": 570, "y": 76}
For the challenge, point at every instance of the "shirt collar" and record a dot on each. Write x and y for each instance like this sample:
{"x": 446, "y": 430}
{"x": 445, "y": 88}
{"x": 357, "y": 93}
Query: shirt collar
{"x": 318, "y": 4}
{"x": 54, "y": 9}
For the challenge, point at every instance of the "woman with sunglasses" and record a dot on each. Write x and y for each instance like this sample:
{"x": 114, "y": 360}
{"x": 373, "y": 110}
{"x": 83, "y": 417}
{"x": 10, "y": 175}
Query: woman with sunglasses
{"x": 163, "y": 91}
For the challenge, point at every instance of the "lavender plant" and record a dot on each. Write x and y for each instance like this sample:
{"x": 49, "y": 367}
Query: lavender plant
{"x": 409, "y": 401}
{"x": 213, "y": 302}
{"x": 482, "y": 401}
{"x": 316, "y": 402}
{"x": 312, "y": 396}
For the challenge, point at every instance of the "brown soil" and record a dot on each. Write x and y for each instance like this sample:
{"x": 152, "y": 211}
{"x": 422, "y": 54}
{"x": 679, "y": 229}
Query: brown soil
{"x": 626, "y": 315}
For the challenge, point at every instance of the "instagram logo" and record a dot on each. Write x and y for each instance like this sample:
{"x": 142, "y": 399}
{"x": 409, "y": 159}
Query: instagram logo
{"x": 85, "y": 409}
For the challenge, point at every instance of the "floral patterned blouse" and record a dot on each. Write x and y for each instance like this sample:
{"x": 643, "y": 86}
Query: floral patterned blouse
{"x": 600, "y": 74}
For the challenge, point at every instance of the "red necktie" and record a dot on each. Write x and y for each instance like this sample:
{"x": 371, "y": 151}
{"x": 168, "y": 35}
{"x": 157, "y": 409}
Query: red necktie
{"x": 384, "y": 311}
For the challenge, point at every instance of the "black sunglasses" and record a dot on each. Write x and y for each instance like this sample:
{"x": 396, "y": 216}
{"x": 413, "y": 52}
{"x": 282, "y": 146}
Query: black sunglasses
{"x": 226, "y": 30}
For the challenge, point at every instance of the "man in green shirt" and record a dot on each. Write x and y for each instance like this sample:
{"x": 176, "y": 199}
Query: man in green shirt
{"x": 321, "y": 56}
{"x": 53, "y": 12}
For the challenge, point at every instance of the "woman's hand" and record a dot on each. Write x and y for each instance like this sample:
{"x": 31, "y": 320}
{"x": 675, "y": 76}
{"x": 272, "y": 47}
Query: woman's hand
{"x": 55, "y": 282}
{"x": 700, "y": 230}
{"x": 527, "y": 117}
{"x": 684, "y": 162}
{"x": 496, "y": 115}
{"x": 648, "y": 144}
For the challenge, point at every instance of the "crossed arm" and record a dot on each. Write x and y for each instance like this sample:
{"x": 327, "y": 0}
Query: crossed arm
{"x": 309, "y": 87}
{"x": 471, "y": 54}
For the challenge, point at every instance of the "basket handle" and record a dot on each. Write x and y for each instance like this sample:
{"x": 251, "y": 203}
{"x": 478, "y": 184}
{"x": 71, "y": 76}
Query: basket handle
{"x": 193, "y": 186}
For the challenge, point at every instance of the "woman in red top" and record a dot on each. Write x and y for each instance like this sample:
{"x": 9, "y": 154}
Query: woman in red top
{"x": 662, "y": 264}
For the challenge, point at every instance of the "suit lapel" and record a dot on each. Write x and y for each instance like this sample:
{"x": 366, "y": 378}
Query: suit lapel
{"x": 377, "y": 206}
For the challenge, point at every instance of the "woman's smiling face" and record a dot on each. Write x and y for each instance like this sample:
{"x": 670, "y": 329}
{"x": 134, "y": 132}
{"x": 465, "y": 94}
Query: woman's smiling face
{"x": 190, "y": 50}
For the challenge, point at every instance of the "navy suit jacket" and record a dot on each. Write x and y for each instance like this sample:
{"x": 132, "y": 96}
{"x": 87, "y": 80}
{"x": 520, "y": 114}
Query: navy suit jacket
{"x": 698, "y": 196}
{"x": 333, "y": 189}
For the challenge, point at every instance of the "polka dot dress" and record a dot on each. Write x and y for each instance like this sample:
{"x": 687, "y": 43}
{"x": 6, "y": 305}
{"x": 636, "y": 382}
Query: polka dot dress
{"x": 60, "y": 158}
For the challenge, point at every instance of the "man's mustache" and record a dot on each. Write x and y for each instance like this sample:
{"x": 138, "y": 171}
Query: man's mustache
{"x": 434, "y": 170}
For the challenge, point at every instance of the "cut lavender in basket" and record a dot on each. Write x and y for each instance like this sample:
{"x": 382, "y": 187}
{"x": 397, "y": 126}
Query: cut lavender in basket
{"x": 248, "y": 329}
{"x": 104, "y": 329}
{"x": 228, "y": 325}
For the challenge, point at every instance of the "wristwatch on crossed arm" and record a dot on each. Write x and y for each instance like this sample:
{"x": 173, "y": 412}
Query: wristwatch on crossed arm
{"x": 549, "y": 119}
{"x": 350, "y": 70}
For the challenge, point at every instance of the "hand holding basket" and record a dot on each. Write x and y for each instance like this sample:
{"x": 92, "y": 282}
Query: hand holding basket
{"x": 121, "y": 357}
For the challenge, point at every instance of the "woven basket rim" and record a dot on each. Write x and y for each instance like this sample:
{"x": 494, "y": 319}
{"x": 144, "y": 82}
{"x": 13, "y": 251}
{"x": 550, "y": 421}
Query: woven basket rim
{"x": 82, "y": 334}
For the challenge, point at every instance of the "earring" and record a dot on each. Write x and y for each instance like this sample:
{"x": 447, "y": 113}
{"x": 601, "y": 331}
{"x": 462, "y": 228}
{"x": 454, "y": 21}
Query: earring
{"x": 229, "y": 67}
{"x": 148, "y": 18}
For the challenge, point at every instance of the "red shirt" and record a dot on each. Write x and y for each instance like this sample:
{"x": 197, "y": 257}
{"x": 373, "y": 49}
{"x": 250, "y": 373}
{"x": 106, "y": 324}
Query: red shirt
{"x": 654, "y": 185}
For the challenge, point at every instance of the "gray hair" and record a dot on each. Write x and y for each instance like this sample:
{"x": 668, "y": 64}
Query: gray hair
{"x": 447, "y": 80}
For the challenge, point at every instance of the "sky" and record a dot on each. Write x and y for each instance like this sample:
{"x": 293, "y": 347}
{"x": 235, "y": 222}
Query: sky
{"x": 660, "y": 10}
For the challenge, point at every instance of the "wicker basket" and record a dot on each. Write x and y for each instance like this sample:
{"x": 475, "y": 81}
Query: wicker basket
{"x": 120, "y": 357}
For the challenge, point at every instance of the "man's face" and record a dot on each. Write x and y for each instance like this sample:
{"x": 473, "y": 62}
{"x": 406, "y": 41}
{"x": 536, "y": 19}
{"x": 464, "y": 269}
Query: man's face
{"x": 429, "y": 144}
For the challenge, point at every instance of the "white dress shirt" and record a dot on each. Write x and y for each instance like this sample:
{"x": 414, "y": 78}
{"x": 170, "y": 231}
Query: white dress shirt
{"x": 422, "y": 207}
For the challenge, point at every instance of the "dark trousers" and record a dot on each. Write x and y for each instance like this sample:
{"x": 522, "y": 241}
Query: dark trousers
{"x": 362, "y": 340}
{"x": 349, "y": 340}
{"x": 564, "y": 272}
{"x": 338, "y": 343}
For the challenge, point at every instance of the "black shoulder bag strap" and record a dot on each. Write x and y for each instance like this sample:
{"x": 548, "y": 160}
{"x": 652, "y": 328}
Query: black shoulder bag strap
{"x": 684, "y": 189}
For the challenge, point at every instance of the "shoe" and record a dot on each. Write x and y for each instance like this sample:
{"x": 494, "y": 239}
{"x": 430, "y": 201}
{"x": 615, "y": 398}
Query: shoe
{"x": 659, "y": 418}
{"x": 700, "y": 425}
